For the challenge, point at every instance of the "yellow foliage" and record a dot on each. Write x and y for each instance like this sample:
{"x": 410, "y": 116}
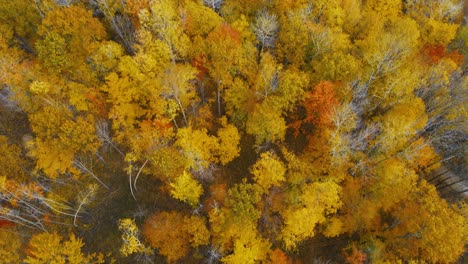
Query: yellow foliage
{"x": 401, "y": 123}
{"x": 394, "y": 182}
{"x": 130, "y": 237}
{"x": 439, "y": 33}
{"x": 106, "y": 57}
{"x": 249, "y": 247}
{"x": 200, "y": 20}
{"x": 337, "y": 66}
{"x": 199, "y": 147}
{"x": 430, "y": 236}
{"x": 59, "y": 137}
{"x": 9, "y": 245}
{"x": 163, "y": 20}
{"x": 266, "y": 123}
{"x": 268, "y": 171}
{"x": 334, "y": 227}
{"x": 293, "y": 38}
{"x": 186, "y": 189}
{"x": 167, "y": 163}
{"x": 318, "y": 200}
{"x": 266, "y": 82}
{"x": 386, "y": 9}
{"x": 51, "y": 248}
{"x": 228, "y": 138}
{"x": 11, "y": 162}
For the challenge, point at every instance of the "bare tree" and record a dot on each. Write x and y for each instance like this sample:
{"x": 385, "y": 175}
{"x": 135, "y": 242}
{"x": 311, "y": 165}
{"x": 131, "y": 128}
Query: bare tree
{"x": 444, "y": 10}
{"x": 80, "y": 164}
{"x": 266, "y": 28}
{"x": 102, "y": 129}
{"x": 213, "y": 4}
{"x": 119, "y": 22}
{"x": 65, "y": 3}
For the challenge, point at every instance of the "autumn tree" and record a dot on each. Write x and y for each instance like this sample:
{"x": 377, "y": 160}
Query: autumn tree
{"x": 266, "y": 123}
{"x": 52, "y": 248}
{"x": 163, "y": 20}
{"x": 173, "y": 233}
{"x": 60, "y": 138}
{"x": 131, "y": 238}
{"x": 11, "y": 162}
{"x": 121, "y": 19}
{"x": 268, "y": 171}
{"x": 230, "y": 55}
{"x": 60, "y": 48}
{"x": 424, "y": 237}
{"x": 249, "y": 247}
{"x": 240, "y": 212}
{"x": 287, "y": 125}
{"x": 318, "y": 106}
{"x": 10, "y": 244}
{"x": 300, "y": 220}
{"x": 201, "y": 19}
{"x": 202, "y": 149}
{"x": 24, "y": 29}
{"x": 186, "y": 189}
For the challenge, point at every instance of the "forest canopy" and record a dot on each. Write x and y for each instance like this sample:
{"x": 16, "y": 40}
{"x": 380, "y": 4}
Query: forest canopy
{"x": 233, "y": 131}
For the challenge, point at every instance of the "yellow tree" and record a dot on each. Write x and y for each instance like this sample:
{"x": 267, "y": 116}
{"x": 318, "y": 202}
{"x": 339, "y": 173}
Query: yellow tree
{"x": 137, "y": 105}
{"x": 52, "y": 248}
{"x": 200, "y": 20}
{"x": 11, "y": 161}
{"x": 266, "y": 123}
{"x": 384, "y": 8}
{"x": 230, "y": 55}
{"x": 163, "y": 20}
{"x": 22, "y": 18}
{"x": 60, "y": 137}
{"x": 316, "y": 202}
{"x": 178, "y": 86}
{"x": 437, "y": 234}
{"x": 398, "y": 130}
{"x": 385, "y": 48}
{"x": 68, "y": 37}
{"x": 294, "y": 34}
{"x": 9, "y": 245}
{"x": 249, "y": 247}
{"x": 239, "y": 215}
{"x": 186, "y": 189}
{"x": 228, "y": 142}
{"x": 438, "y": 19}
{"x": 131, "y": 238}
{"x": 202, "y": 149}
{"x": 268, "y": 171}
{"x": 198, "y": 147}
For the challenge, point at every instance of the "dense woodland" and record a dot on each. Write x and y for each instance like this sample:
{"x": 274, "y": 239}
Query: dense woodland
{"x": 233, "y": 131}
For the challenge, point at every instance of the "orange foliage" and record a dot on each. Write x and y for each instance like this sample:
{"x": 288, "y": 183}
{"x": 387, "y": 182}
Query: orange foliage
{"x": 218, "y": 193}
{"x": 98, "y": 102}
{"x": 6, "y": 223}
{"x": 319, "y": 104}
{"x": 173, "y": 233}
{"x": 133, "y": 8}
{"x": 277, "y": 256}
{"x": 225, "y": 33}
{"x": 200, "y": 62}
{"x": 356, "y": 256}
{"x": 437, "y": 52}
